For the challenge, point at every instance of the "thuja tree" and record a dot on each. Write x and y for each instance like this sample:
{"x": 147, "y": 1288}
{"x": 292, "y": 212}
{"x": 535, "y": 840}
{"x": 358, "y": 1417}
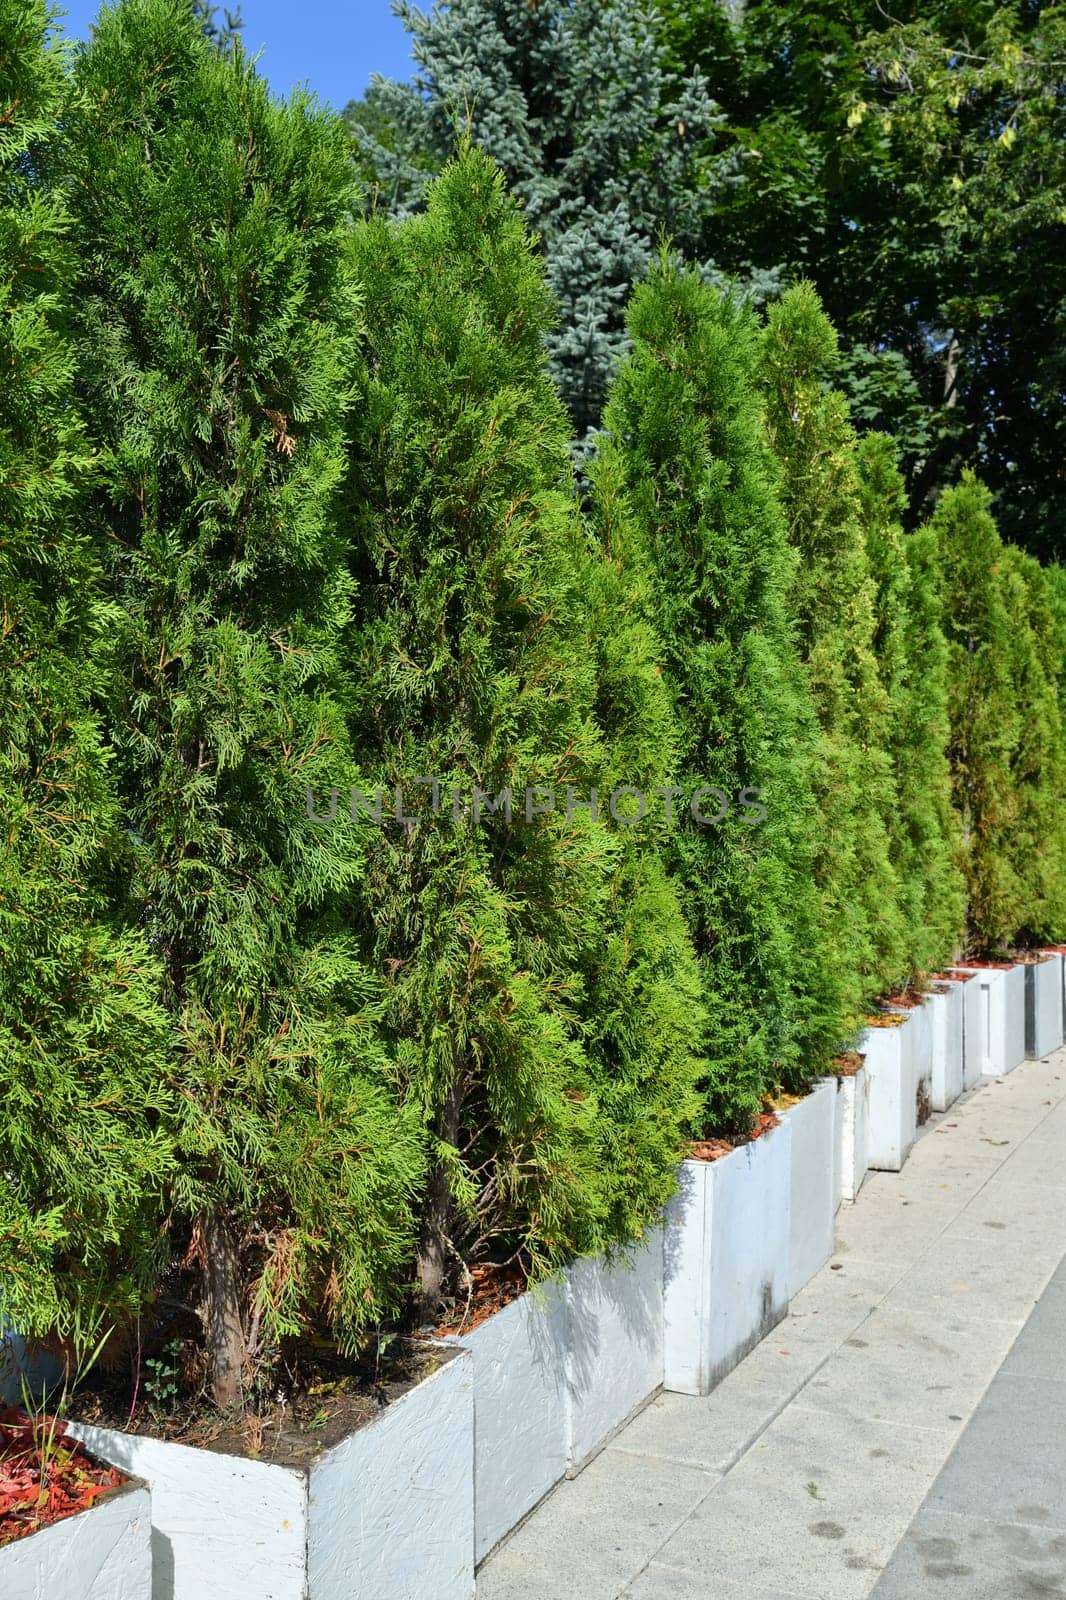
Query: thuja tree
{"x": 218, "y": 325}
{"x": 604, "y": 148}
{"x": 542, "y": 998}
{"x": 834, "y": 603}
{"x": 684, "y": 451}
{"x": 83, "y": 1148}
{"x": 911, "y": 650}
{"x": 1038, "y": 839}
{"x": 984, "y": 710}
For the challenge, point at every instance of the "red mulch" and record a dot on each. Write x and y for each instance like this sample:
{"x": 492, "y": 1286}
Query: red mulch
{"x": 71, "y": 1480}
{"x": 846, "y": 1065}
{"x": 710, "y": 1149}
{"x": 714, "y": 1149}
{"x": 907, "y": 998}
{"x": 493, "y": 1288}
{"x": 956, "y": 975}
{"x": 974, "y": 961}
{"x": 885, "y": 1019}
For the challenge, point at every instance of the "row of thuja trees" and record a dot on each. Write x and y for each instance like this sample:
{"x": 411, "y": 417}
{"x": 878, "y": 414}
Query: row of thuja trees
{"x": 288, "y": 510}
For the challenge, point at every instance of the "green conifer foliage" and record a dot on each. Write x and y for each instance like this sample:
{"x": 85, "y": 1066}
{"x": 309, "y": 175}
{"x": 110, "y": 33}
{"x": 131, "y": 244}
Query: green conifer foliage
{"x": 684, "y": 454}
{"x": 543, "y": 999}
{"x": 834, "y": 601}
{"x": 83, "y": 1147}
{"x": 984, "y": 711}
{"x": 218, "y": 326}
{"x": 911, "y": 650}
{"x": 604, "y": 148}
{"x": 1038, "y": 839}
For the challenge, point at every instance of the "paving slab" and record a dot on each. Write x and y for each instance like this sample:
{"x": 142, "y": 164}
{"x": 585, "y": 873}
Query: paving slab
{"x": 713, "y": 1431}
{"x": 664, "y": 1583}
{"x": 815, "y": 1508}
{"x": 595, "y": 1531}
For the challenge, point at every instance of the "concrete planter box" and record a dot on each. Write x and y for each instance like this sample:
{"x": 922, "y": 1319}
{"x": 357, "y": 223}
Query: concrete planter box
{"x": 945, "y": 1006}
{"x": 892, "y": 1082}
{"x": 813, "y": 1195}
{"x": 614, "y": 1358}
{"x": 974, "y": 1026}
{"x": 922, "y": 1058}
{"x": 1043, "y": 1006}
{"x": 852, "y": 1132}
{"x": 387, "y": 1511}
{"x": 726, "y": 1259}
{"x": 1003, "y": 1017}
{"x": 521, "y": 1410}
{"x": 102, "y": 1553}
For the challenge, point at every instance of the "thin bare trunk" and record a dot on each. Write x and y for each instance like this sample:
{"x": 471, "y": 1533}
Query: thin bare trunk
{"x": 227, "y": 1352}
{"x": 951, "y": 372}
{"x": 435, "y": 1241}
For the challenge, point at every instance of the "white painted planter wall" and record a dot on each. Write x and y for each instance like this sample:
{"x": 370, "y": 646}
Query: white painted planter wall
{"x": 838, "y": 1142}
{"x": 921, "y": 1025}
{"x": 1003, "y": 993}
{"x": 853, "y": 1132}
{"x": 388, "y": 1511}
{"x": 102, "y": 1553}
{"x": 892, "y": 1083}
{"x": 614, "y": 1360}
{"x": 1043, "y": 1006}
{"x": 945, "y": 1012}
{"x": 521, "y": 1410}
{"x": 726, "y": 1260}
{"x": 974, "y": 1024}
{"x": 813, "y": 1192}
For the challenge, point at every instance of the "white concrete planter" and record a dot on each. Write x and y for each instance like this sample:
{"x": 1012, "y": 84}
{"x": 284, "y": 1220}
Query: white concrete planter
{"x": 974, "y": 1026}
{"x": 944, "y": 1006}
{"x": 1043, "y": 1006}
{"x": 521, "y": 1410}
{"x": 852, "y": 1131}
{"x": 838, "y": 1143}
{"x": 614, "y": 1360}
{"x": 1003, "y": 1017}
{"x": 892, "y": 1082}
{"x": 813, "y": 1195}
{"x": 102, "y": 1553}
{"x": 726, "y": 1260}
{"x": 387, "y": 1511}
{"x": 921, "y": 1024}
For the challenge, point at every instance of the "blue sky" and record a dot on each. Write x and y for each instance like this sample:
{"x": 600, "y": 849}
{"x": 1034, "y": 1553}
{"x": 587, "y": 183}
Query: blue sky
{"x": 333, "y": 45}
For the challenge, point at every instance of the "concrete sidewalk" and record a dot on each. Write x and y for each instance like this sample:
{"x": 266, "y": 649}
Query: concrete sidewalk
{"x": 799, "y": 1476}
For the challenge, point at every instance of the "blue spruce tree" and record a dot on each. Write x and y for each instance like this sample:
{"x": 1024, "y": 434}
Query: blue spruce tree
{"x": 602, "y": 145}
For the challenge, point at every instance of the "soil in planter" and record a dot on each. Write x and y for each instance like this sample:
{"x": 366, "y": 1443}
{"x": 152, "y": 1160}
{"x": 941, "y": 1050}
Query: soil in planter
{"x": 492, "y": 1288}
{"x": 45, "y": 1476}
{"x": 956, "y": 975}
{"x": 846, "y": 1065}
{"x": 907, "y": 998}
{"x": 715, "y": 1149}
{"x": 324, "y": 1397}
{"x": 884, "y": 1019}
{"x": 977, "y": 962}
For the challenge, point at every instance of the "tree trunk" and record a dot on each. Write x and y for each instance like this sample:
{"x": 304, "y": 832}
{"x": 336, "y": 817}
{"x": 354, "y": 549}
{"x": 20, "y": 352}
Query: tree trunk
{"x": 951, "y": 371}
{"x": 434, "y": 1242}
{"x": 227, "y": 1353}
